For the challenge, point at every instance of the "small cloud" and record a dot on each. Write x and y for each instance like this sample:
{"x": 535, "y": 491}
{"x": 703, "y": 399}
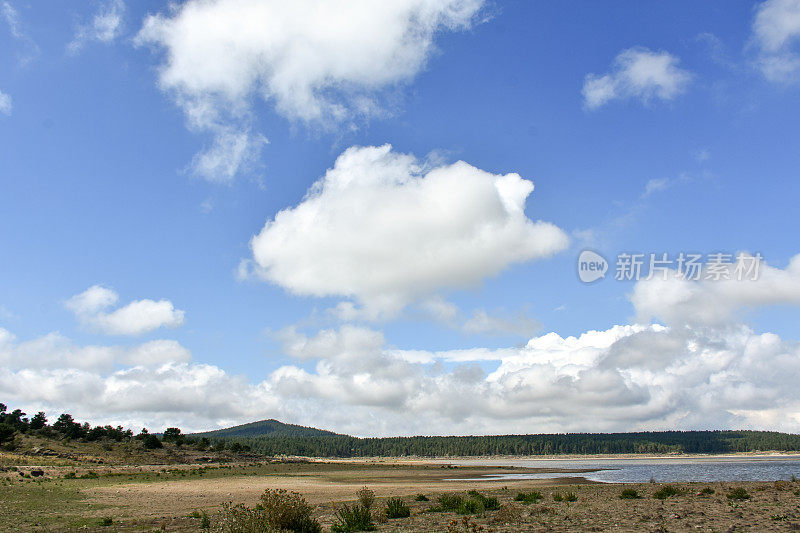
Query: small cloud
{"x": 207, "y": 205}
{"x": 776, "y": 33}
{"x": 702, "y": 155}
{"x": 105, "y": 27}
{"x": 483, "y": 323}
{"x": 136, "y": 318}
{"x": 5, "y": 103}
{"x": 12, "y": 19}
{"x": 637, "y": 73}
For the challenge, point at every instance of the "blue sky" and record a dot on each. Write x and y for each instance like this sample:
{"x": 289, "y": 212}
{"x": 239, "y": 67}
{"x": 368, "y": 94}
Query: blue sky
{"x": 107, "y": 110}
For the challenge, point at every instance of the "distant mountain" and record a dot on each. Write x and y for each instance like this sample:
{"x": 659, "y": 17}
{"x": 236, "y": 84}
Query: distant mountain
{"x": 267, "y": 428}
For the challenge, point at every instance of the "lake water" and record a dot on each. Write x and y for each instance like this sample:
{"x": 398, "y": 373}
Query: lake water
{"x": 764, "y": 468}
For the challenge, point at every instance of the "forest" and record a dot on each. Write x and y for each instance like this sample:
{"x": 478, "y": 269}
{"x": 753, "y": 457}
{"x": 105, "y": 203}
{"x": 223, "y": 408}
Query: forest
{"x": 274, "y": 438}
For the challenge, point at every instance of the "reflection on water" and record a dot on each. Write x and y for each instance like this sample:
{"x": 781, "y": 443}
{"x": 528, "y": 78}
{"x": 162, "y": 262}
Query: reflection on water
{"x": 661, "y": 470}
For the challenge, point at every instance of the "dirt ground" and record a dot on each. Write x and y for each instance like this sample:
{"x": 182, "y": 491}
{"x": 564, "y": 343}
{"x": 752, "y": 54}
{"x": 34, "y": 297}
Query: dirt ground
{"x": 163, "y": 498}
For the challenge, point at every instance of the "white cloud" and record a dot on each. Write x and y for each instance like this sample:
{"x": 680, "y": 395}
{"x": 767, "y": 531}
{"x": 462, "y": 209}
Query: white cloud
{"x": 135, "y": 318}
{"x": 637, "y": 73}
{"x": 29, "y": 48}
{"x": 483, "y": 323}
{"x": 382, "y": 228}
{"x": 776, "y": 34}
{"x": 317, "y": 62}
{"x": 632, "y": 377}
{"x": 677, "y": 300}
{"x": 105, "y": 27}
{"x": 5, "y": 103}
{"x": 12, "y": 20}
{"x": 54, "y": 351}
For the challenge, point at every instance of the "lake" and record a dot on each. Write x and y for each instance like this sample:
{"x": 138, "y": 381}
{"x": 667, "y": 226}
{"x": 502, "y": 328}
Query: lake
{"x": 672, "y": 469}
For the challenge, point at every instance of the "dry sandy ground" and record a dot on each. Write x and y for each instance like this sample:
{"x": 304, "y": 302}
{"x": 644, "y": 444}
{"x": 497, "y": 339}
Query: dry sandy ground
{"x": 146, "y": 503}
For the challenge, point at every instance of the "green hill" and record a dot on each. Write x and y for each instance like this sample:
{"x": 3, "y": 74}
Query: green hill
{"x": 266, "y": 428}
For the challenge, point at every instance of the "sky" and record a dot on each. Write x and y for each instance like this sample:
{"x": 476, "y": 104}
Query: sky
{"x": 370, "y": 217}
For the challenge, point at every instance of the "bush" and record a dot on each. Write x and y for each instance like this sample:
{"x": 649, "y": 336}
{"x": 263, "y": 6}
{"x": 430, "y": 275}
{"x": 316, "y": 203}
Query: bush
{"x": 288, "y": 511}
{"x": 488, "y": 503}
{"x": 106, "y": 521}
{"x": 470, "y": 506}
{"x": 665, "y": 492}
{"x": 450, "y": 502}
{"x": 151, "y": 442}
{"x": 557, "y": 497}
{"x": 353, "y": 518}
{"x": 629, "y": 494}
{"x": 366, "y": 498}
{"x": 421, "y": 498}
{"x": 528, "y": 497}
{"x": 205, "y": 522}
{"x": 707, "y": 491}
{"x": 738, "y": 494}
{"x": 396, "y": 508}
{"x": 242, "y": 519}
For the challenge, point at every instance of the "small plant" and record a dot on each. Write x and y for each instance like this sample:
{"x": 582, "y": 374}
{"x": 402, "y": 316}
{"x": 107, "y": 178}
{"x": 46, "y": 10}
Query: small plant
{"x": 450, "y": 502}
{"x": 288, "y": 511}
{"x": 396, "y": 508}
{"x": 557, "y": 497}
{"x": 570, "y": 497}
{"x": 242, "y": 519}
{"x": 778, "y": 517}
{"x": 794, "y": 478}
{"x": 106, "y": 521}
{"x": 465, "y": 525}
{"x": 738, "y": 494}
{"x": 89, "y": 475}
{"x": 489, "y": 503}
{"x": 629, "y": 494}
{"x": 366, "y": 498}
{"x": 205, "y": 521}
{"x": 707, "y": 491}
{"x": 470, "y": 506}
{"x": 421, "y": 498}
{"x": 352, "y": 518}
{"x": 528, "y": 497}
{"x": 667, "y": 491}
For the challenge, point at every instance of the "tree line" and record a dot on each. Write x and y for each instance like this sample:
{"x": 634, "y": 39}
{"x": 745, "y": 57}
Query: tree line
{"x": 66, "y": 427}
{"x": 335, "y": 445}
{"x": 660, "y": 442}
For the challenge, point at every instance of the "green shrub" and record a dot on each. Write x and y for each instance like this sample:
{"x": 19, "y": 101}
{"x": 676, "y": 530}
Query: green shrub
{"x": 396, "y": 508}
{"x": 665, "y": 492}
{"x": 242, "y": 519}
{"x": 557, "y": 497}
{"x": 288, "y": 511}
{"x": 488, "y": 503}
{"x": 528, "y": 497}
{"x": 205, "y": 521}
{"x": 106, "y": 521}
{"x": 450, "y": 502}
{"x": 738, "y": 494}
{"x": 570, "y": 497}
{"x": 89, "y": 475}
{"x": 151, "y": 442}
{"x": 366, "y": 498}
{"x": 470, "y": 506}
{"x": 707, "y": 491}
{"x": 629, "y": 494}
{"x": 421, "y": 498}
{"x": 353, "y": 518}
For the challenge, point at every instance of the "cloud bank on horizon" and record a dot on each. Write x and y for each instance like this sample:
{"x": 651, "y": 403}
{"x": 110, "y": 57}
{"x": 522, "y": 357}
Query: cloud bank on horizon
{"x": 628, "y": 377}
